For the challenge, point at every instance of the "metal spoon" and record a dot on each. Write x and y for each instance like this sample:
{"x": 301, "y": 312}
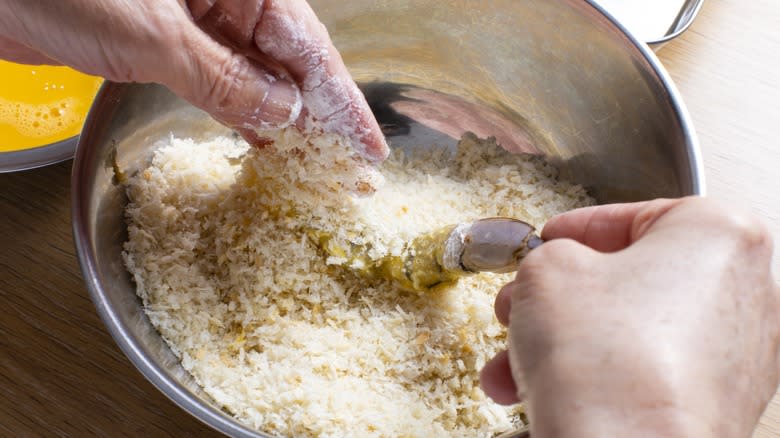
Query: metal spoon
{"x": 447, "y": 254}
{"x": 655, "y": 23}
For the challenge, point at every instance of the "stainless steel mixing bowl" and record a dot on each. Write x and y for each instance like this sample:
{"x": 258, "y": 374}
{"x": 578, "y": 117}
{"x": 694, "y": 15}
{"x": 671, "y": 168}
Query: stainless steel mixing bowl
{"x": 553, "y": 78}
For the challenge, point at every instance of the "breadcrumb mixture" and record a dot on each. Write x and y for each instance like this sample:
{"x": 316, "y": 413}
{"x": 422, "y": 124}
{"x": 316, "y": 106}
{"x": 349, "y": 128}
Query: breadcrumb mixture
{"x": 293, "y": 342}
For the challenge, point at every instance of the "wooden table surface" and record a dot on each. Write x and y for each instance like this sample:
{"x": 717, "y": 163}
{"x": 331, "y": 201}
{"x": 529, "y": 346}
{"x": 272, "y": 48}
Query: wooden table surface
{"x": 61, "y": 373}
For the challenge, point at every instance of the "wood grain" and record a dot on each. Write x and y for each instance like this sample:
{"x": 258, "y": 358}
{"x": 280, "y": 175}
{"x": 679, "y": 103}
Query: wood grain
{"x": 62, "y": 375}
{"x": 60, "y": 372}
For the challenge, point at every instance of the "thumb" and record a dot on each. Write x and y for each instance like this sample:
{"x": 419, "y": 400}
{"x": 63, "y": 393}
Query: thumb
{"x": 232, "y": 88}
{"x": 608, "y": 228}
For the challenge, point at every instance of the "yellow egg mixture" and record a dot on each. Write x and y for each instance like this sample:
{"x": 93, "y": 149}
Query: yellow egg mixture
{"x": 40, "y": 105}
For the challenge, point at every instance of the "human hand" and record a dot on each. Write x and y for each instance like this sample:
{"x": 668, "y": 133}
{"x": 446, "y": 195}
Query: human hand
{"x": 251, "y": 64}
{"x": 647, "y": 319}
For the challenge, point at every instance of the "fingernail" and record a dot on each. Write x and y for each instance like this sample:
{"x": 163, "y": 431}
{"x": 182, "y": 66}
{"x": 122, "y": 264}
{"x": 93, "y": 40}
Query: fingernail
{"x": 281, "y": 105}
{"x": 376, "y": 149}
{"x": 534, "y": 242}
{"x": 503, "y": 303}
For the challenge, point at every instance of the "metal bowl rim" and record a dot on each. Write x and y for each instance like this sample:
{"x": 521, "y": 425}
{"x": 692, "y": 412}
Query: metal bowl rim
{"x": 38, "y": 156}
{"x": 682, "y": 29}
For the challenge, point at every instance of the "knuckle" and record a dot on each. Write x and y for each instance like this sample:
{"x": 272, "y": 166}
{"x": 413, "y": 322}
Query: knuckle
{"x": 750, "y": 231}
{"x": 315, "y": 60}
{"x": 228, "y": 77}
{"x": 647, "y": 215}
{"x": 546, "y": 279}
{"x": 199, "y": 8}
{"x": 553, "y": 256}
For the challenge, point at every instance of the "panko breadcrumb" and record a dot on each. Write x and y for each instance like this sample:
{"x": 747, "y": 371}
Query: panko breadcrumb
{"x": 287, "y": 339}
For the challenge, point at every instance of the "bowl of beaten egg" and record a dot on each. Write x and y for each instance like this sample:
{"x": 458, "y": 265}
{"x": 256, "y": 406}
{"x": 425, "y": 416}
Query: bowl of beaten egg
{"x": 205, "y": 257}
{"x": 42, "y": 110}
